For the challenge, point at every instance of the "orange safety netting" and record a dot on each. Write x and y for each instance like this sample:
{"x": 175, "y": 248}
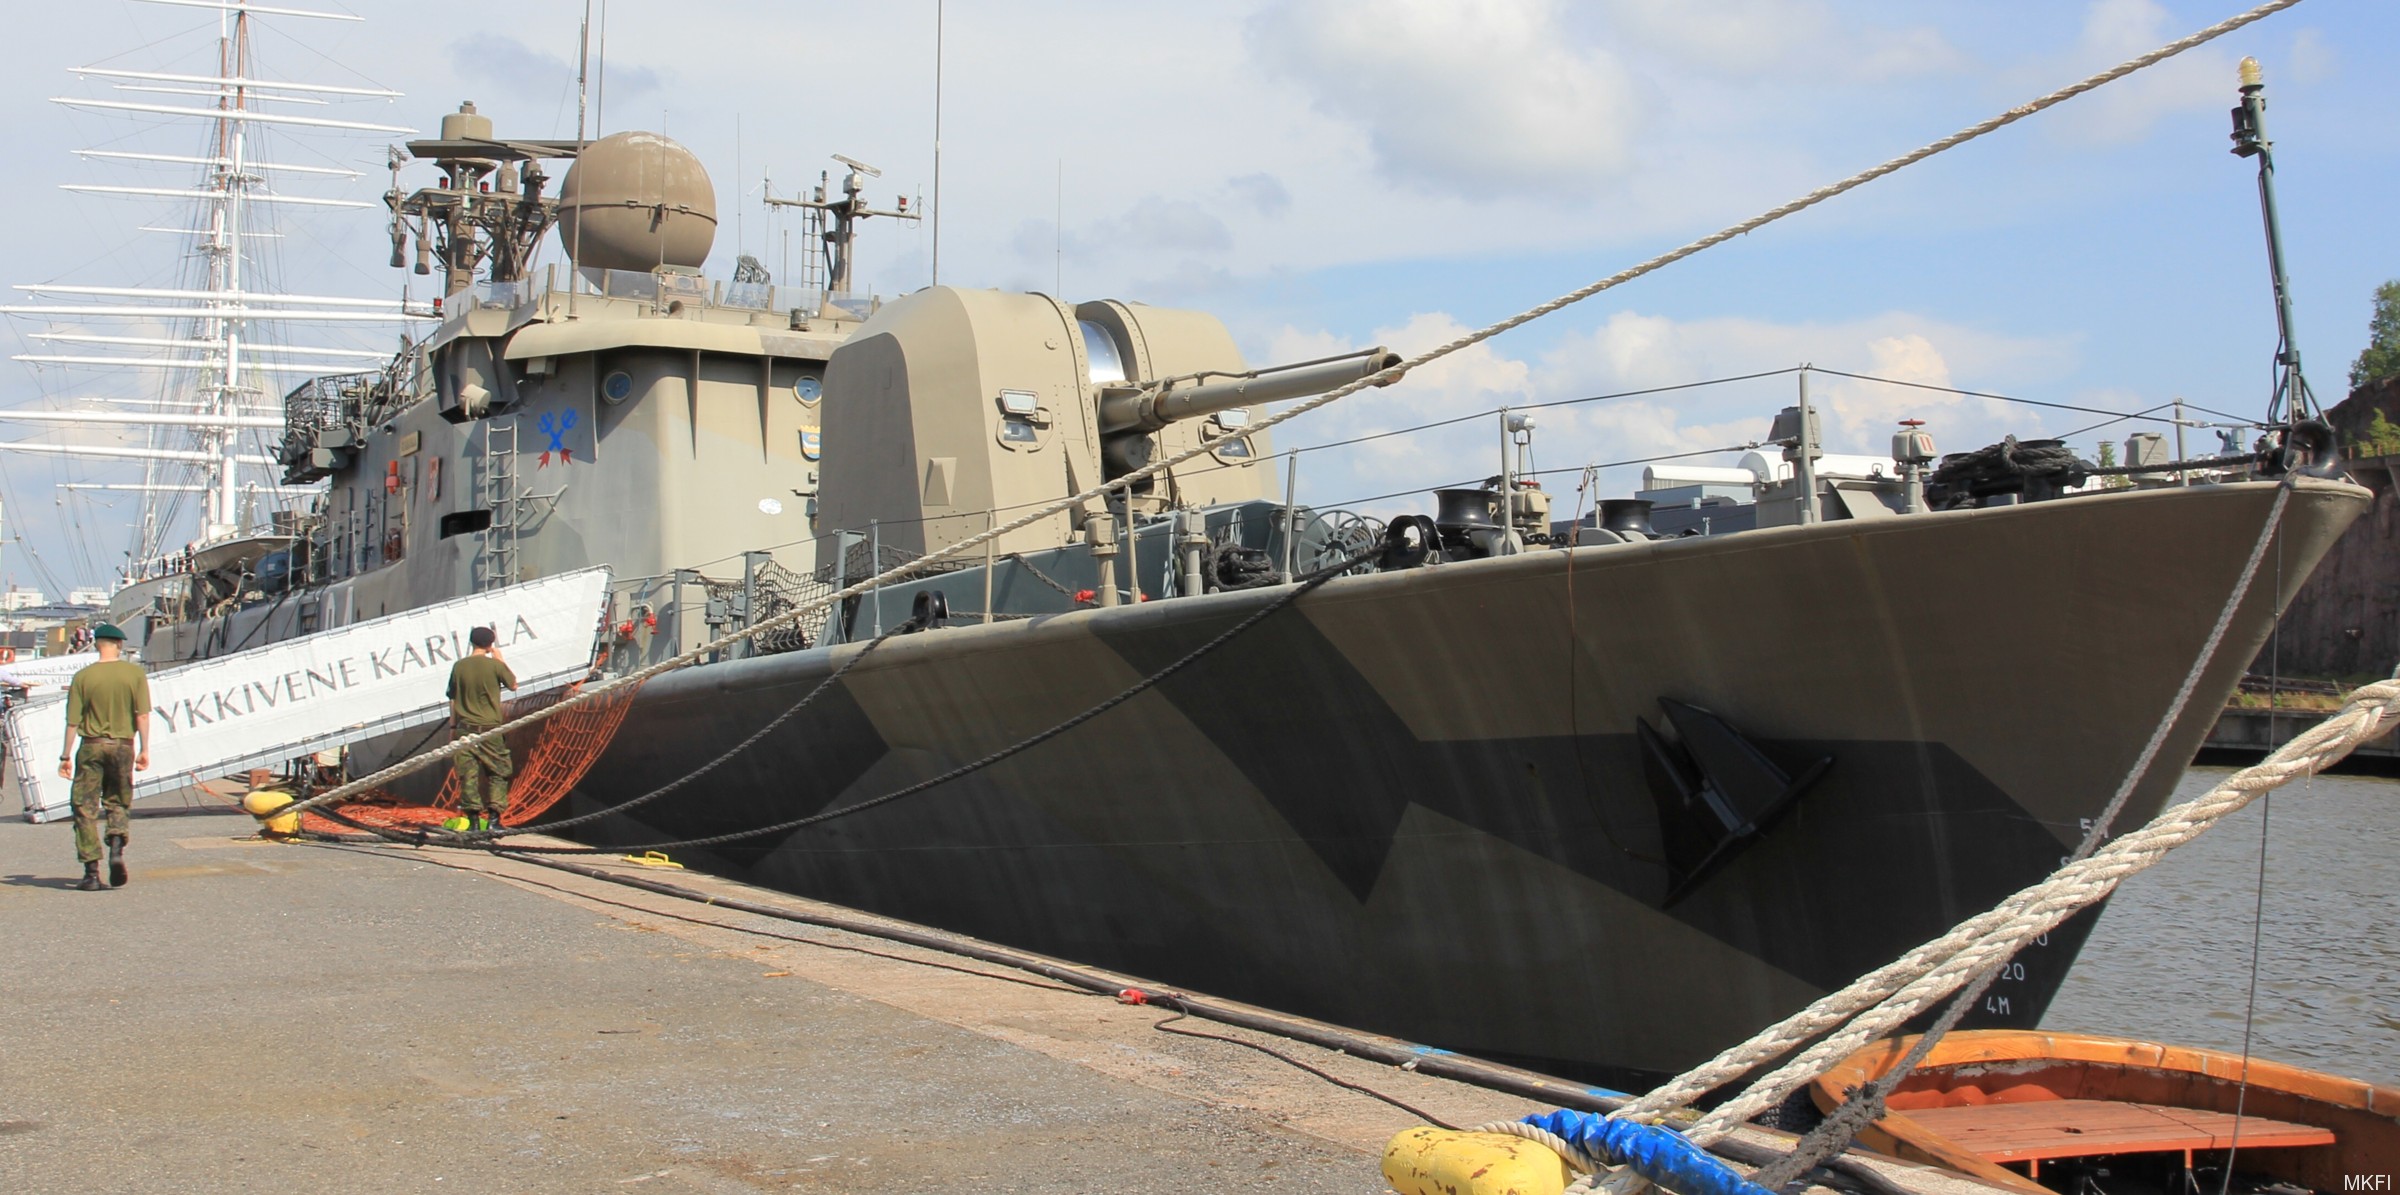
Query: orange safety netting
{"x": 552, "y": 756}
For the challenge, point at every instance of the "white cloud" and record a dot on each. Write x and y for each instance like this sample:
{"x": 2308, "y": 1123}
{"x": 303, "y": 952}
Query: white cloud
{"x": 2313, "y": 58}
{"x": 1880, "y": 54}
{"x": 1262, "y": 191}
{"x": 1457, "y": 98}
{"x": 2125, "y": 110}
{"x": 1732, "y": 36}
{"x": 1764, "y": 38}
{"x": 1633, "y": 351}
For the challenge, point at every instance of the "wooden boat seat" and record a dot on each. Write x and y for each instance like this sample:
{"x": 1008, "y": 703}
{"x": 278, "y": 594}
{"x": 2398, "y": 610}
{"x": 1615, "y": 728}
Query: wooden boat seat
{"x": 2032, "y": 1131}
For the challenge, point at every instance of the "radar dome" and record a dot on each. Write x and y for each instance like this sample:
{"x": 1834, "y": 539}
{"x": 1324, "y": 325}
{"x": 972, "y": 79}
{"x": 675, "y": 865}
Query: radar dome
{"x": 637, "y": 201}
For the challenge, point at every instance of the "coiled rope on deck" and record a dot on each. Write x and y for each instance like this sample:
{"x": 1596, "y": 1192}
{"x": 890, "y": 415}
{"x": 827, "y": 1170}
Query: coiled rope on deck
{"x": 1380, "y": 378}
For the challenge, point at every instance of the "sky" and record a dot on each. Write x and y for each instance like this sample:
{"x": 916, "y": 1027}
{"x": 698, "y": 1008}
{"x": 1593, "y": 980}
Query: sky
{"x": 1325, "y": 174}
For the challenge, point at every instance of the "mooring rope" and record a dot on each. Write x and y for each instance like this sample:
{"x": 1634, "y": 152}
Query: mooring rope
{"x": 1381, "y": 378}
{"x": 2368, "y": 712}
{"x": 1866, "y": 1105}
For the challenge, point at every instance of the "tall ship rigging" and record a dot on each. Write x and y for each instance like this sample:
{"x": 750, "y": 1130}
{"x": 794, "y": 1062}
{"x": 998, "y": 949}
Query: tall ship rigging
{"x": 161, "y": 395}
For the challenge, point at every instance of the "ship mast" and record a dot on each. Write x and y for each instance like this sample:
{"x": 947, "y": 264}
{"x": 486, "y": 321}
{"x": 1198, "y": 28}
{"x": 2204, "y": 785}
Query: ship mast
{"x": 221, "y": 366}
{"x": 225, "y": 273}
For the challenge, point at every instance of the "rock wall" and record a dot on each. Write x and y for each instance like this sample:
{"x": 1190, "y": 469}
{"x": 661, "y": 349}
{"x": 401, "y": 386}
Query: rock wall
{"x": 2345, "y": 622}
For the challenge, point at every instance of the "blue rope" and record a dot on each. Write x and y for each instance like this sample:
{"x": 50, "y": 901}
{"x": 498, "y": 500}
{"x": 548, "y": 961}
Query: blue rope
{"x": 1661, "y": 1155}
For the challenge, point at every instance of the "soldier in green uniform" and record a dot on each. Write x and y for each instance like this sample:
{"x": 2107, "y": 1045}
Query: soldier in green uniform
{"x": 483, "y": 770}
{"x": 108, "y": 708}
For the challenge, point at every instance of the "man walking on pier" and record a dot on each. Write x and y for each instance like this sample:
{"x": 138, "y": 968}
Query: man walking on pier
{"x": 483, "y": 770}
{"x": 108, "y": 708}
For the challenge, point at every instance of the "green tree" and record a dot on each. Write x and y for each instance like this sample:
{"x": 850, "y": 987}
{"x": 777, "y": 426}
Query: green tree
{"x": 2382, "y": 439}
{"x": 2108, "y": 460}
{"x": 2382, "y": 356}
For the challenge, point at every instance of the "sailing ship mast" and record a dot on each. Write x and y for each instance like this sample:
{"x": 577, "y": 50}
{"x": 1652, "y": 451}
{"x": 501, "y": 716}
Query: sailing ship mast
{"x": 223, "y": 364}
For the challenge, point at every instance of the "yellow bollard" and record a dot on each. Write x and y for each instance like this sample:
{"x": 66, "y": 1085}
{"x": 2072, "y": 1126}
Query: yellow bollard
{"x": 1430, "y": 1161}
{"x": 266, "y": 801}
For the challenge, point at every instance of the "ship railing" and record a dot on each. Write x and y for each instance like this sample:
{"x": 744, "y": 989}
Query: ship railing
{"x": 660, "y": 288}
{"x": 507, "y": 296}
{"x": 862, "y": 557}
{"x": 856, "y": 306}
{"x": 768, "y": 590}
{"x": 320, "y": 404}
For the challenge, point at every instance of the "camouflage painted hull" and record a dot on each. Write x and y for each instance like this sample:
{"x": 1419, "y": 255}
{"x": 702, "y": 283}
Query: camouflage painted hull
{"x": 1416, "y": 802}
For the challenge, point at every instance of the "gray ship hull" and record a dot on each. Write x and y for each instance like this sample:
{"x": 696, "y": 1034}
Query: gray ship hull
{"x": 1418, "y": 802}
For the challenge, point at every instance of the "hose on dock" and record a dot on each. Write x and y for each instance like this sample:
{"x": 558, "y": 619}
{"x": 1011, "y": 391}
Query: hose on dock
{"x": 1595, "y": 1144}
{"x": 1844, "y": 1174}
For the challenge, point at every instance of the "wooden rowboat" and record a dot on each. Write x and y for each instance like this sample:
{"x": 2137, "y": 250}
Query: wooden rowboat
{"x": 2045, "y": 1112}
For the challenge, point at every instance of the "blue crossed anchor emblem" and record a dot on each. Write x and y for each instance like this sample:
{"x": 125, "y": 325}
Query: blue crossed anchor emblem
{"x": 556, "y": 427}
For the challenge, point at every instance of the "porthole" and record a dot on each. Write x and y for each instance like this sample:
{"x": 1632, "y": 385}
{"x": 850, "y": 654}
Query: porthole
{"x": 808, "y": 390}
{"x": 616, "y": 387}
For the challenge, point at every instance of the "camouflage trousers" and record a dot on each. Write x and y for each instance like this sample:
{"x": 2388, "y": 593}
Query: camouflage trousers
{"x": 483, "y": 773}
{"x": 103, "y": 781}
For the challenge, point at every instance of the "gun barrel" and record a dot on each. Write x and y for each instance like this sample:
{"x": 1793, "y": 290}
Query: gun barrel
{"x": 1148, "y": 411}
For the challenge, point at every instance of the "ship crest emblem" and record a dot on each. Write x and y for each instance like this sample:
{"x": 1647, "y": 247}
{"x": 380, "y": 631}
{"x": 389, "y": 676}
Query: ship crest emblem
{"x": 556, "y": 426}
{"x": 810, "y": 448}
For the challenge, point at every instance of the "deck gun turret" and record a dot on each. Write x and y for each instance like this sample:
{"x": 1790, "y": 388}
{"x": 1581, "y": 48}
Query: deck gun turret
{"x": 1130, "y": 412}
{"x": 949, "y": 403}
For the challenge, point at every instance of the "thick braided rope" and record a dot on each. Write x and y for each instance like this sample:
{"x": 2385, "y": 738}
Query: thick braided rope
{"x": 1382, "y": 378}
{"x": 1866, "y": 1105}
{"x": 2367, "y": 713}
{"x": 1535, "y": 1133}
{"x": 1867, "y": 990}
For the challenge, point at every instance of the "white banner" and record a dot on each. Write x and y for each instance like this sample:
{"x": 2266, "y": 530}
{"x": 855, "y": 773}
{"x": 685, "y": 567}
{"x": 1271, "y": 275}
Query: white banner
{"x": 276, "y": 703}
{"x": 46, "y": 671}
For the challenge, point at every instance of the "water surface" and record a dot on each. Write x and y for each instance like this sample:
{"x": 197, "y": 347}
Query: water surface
{"x": 2170, "y": 959}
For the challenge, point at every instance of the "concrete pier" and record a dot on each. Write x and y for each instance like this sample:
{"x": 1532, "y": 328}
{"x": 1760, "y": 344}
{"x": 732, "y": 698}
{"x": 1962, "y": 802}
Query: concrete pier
{"x": 2250, "y": 734}
{"x": 258, "y": 1016}
{"x": 254, "y": 1016}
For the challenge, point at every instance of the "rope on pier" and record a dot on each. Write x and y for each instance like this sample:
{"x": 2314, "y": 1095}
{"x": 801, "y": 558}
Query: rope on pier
{"x": 1382, "y": 378}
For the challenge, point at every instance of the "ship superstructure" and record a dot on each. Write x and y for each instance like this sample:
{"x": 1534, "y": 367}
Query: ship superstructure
{"x": 614, "y": 405}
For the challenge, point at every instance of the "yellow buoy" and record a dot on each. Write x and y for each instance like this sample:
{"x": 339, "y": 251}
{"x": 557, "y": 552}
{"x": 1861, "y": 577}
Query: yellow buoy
{"x": 266, "y": 801}
{"x": 1429, "y": 1161}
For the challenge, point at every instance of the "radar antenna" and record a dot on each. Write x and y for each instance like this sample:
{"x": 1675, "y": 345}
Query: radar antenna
{"x": 481, "y": 210}
{"x": 840, "y": 218}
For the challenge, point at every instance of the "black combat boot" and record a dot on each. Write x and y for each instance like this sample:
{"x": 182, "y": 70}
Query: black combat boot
{"x": 91, "y": 877}
{"x": 116, "y": 861}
